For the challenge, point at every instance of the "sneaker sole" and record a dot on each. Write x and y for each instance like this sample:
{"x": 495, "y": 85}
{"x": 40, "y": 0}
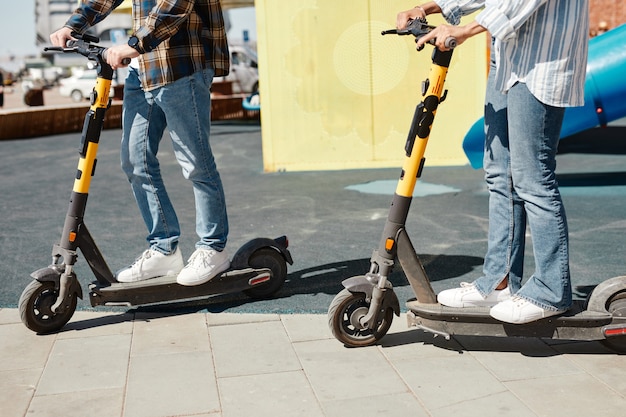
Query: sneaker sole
{"x": 506, "y": 318}
{"x": 218, "y": 270}
{"x": 165, "y": 274}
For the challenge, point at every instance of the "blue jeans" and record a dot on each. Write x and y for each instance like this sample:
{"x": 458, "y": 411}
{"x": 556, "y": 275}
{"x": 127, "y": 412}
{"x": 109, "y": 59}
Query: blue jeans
{"x": 184, "y": 108}
{"x": 520, "y": 161}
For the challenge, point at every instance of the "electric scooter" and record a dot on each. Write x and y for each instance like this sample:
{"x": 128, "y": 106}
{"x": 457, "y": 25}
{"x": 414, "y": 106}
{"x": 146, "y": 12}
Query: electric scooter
{"x": 362, "y": 313}
{"x": 258, "y": 268}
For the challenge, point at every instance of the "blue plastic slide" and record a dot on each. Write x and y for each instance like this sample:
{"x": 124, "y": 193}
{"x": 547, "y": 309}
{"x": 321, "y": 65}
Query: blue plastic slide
{"x": 605, "y": 93}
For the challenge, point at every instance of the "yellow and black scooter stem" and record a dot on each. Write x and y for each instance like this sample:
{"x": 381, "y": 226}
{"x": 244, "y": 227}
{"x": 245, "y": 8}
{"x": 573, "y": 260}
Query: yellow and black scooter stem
{"x": 395, "y": 242}
{"x": 433, "y": 93}
{"x": 75, "y": 234}
{"x": 94, "y": 120}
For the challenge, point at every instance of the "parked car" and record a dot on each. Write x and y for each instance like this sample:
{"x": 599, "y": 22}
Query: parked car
{"x": 79, "y": 86}
{"x": 244, "y": 71}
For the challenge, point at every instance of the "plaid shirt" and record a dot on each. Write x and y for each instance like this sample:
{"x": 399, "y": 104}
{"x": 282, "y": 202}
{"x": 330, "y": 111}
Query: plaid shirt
{"x": 182, "y": 36}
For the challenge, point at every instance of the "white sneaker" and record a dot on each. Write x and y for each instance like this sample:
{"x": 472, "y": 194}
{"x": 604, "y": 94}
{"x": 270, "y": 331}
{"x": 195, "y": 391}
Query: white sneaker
{"x": 468, "y": 296}
{"x": 518, "y": 310}
{"x": 203, "y": 265}
{"x": 151, "y": 264}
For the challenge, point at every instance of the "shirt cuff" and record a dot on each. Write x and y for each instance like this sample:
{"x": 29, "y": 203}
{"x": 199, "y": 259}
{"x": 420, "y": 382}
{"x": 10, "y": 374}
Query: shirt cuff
{"x": 145, "y": 37}
{"x": 78, "y": 23}
{"x": 497, "y": 23}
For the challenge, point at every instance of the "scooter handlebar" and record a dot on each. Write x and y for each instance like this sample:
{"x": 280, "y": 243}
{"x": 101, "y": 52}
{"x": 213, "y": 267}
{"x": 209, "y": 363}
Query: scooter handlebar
{"x": 419, "y": 28}
{"x": 83, "y": 44}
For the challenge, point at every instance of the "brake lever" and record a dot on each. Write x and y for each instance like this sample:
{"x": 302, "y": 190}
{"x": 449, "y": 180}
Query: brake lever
{"x": 418, "y": 28}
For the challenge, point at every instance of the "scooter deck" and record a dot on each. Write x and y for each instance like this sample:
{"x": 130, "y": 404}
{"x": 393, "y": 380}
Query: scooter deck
{"x": 161, "y": 289}
{"x": 575, "y": 324}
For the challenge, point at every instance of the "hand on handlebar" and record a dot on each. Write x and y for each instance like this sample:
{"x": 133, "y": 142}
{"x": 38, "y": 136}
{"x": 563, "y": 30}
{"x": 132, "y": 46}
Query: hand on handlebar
{"x": 444, "y": 37}
{"x": 120, "y": 55}
{"x": 61, "y": 36}
{"x": 404, "y": 18}
{"x": 420, "y": 29}
{"x": 68, "y": 41}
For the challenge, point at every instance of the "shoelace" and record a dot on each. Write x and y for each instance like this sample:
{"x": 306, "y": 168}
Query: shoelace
{"x": 518, "y": 300}
{"x": 145, "y": 255}
{"x": 201, "y": 258}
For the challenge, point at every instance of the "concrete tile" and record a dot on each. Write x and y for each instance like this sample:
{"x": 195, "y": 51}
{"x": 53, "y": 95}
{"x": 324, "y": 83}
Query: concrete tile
{"x": 92, "y": 323}
{"x": 9, "y": 316}
{"x": 86, "y": 364}
{"x": 518, "y": 358}
{"x": 155, "y": 334}
{"x": 171, "y": 384}
{"x": 579, "y": 395}
{"x": 392, "y": 405}
{"x": 23, "y": 349}
{"x": 446, "y": 381}
{"x": 607, "y": 367}
{"x": 17, "y": 389}
{"x": 409, "y": 342}
{"x": 339, "y": 373}
{"x": 306, "y": 327}
{"x": 418, "y": 343}
{"x": 216, "y": 414}
{"x": 225, "y": 319}
{"x": 269, "y": 395}
{"x": 100, "y": 403}
{"x": 253, "y": 348}
{"x": 503, "y": 404}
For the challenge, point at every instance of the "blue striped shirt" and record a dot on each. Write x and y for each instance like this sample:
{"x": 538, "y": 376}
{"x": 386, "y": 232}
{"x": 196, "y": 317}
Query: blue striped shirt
{"x": 542, "y": 43}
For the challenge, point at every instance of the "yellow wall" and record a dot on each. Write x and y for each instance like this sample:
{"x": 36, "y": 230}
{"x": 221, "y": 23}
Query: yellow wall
{"x": 335, "y": 94}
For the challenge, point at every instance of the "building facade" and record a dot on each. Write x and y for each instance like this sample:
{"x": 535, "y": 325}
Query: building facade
{"x": 50, "y": 15}
{"x": 606, "y": 14}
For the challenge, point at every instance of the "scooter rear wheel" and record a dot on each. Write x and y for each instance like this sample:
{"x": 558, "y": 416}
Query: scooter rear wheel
{"x": 274, "y": 261}
{"x": 344, "y": 313}
{"x": 617, "y": 307}
{"x": 35, "y": 307}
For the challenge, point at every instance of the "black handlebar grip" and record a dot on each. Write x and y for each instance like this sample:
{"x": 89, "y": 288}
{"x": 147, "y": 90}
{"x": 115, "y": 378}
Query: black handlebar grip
{"x": 450, "y": 42}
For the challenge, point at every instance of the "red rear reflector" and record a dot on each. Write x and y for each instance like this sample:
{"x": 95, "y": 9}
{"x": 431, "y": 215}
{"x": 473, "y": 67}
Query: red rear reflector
{"x": 259, "y": 279}
{"x": 615, "y": 332}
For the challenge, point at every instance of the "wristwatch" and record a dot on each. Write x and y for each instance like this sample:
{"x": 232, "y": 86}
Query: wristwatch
{"x": 133, "y": 42}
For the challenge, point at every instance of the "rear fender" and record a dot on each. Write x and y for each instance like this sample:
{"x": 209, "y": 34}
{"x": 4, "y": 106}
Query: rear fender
{"x": 241, "y": 257}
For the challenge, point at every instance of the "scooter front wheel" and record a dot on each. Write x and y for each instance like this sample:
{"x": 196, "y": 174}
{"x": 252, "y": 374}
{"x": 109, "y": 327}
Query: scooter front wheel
{"x": 35, "y": 307}
{"x": 344, "y": 316}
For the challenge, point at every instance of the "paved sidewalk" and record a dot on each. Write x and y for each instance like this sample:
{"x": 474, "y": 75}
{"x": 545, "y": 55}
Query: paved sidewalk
{"x": 254, "y": 365}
